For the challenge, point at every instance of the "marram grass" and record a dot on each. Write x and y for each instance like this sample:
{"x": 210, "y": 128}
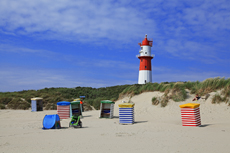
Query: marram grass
{"x": 173, "y": 90}
{"x": 176, "y": 90}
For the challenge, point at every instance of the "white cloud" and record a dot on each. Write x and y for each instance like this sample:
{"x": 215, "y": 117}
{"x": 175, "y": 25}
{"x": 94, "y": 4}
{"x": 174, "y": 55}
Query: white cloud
{"x": 209, "y": 16}
{"x": 118, "y": 22}
{"x": 75, "y": 19}
{"x": 84, "y": 63}
{"x": 17, "y": 78}
{"x": 13, "y": 49}
{"x": 187, "y": 76}
{"x": 188, "y": 30}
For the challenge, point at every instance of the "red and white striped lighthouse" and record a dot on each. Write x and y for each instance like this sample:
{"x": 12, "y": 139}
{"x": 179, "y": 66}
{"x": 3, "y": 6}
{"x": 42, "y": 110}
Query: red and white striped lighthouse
{"x": 145, "y": 70}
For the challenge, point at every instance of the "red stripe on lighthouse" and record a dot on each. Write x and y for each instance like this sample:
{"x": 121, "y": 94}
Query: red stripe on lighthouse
{"x": 145, "y": 62}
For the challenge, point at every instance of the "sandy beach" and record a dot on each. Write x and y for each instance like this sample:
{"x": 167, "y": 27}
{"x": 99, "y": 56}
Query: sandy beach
{"x": 156, "y": 129}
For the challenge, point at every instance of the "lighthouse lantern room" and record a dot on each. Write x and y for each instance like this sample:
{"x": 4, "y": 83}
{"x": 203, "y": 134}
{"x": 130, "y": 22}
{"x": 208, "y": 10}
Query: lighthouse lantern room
{"x": 145, "y": 70}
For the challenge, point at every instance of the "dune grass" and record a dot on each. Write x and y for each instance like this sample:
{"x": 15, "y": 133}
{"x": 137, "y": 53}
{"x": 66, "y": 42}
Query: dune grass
{"x": 217, "y": 99}
{"x": 155, "y": 101}
{"x": 172, "y": 90}
{"x": 163, "y": 101}
{"x": 176, "y": 90}
{"x": 224, "y": 96}
{"x": 209, "y": 85}
{"x": 22, "y": 99}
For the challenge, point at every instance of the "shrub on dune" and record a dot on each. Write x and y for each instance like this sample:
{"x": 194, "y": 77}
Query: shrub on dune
{"x": 2, "y": 106}
{"x": 164, "y": 101}
{"x": 216, "y": 99}
{"x": 178, "y": 92}
{"x": 155, "y": 101}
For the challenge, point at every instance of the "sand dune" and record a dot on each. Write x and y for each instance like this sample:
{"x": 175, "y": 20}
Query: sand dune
{"x": 156, "y": 129}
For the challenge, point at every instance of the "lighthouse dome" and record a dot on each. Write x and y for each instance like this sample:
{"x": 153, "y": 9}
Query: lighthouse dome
{"x": 146, "y": 42}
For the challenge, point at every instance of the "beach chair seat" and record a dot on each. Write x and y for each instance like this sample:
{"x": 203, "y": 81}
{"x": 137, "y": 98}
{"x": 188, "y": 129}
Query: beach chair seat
{"x": 75, "y": 121}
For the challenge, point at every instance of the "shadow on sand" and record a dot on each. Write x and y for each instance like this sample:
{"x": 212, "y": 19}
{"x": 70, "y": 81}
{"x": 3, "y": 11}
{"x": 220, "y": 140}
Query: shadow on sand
{"x": 74, "y": 127}
{"x": 140, "y": 122}
{"x": 64, "y": 127}
{"x": 204, "y": 125}
{"x": 87, "y": 116}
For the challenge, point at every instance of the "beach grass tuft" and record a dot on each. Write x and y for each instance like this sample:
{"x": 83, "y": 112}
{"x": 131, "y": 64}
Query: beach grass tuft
{"x": 173, "y": 90}
{"x": 217, "y": 99}
{"x": 155, "y": 101}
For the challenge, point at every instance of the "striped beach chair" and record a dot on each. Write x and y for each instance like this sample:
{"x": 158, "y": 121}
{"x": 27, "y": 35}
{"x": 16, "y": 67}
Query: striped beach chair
{"x": 126, "y": 113}
{"x": 190, "y": 114}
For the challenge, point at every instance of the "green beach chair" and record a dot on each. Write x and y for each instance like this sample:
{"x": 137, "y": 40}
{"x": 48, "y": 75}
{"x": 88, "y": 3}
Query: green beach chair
{"x": 75, "y": 121}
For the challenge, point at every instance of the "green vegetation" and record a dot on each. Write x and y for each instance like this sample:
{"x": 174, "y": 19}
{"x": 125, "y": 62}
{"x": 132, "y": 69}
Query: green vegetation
{"x": 22, "y": 99}
{"x": 163, "y": 101}
{"x": 155, "y": 101}
{"x": 217, "y": 99}
{"x": 224, "y": 96}
{"x": 176, "y": 90}
{"x": 209, "y": 85}
{"x": 172, "y": 90}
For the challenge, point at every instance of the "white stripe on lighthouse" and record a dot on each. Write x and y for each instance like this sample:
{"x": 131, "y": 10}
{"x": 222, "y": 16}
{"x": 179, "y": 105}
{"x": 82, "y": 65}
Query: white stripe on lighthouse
{"x": 145, "y": 76}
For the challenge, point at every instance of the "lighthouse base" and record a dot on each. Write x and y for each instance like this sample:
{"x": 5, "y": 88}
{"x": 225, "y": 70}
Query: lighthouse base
{"x": 145, "y": 76}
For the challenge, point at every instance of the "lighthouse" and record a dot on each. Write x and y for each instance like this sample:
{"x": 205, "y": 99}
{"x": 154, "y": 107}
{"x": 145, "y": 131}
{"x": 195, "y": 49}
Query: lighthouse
{"x": 145, "y": 70}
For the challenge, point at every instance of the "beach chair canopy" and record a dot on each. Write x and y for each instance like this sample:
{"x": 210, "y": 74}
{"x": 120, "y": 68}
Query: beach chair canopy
{"x": 51, "y": 121}
{"x": 63, "y": 103}
{"x": 107, "y": 102}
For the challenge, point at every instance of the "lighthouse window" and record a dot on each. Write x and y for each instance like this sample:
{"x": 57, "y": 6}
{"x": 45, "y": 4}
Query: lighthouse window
{"x": 141, "y": 48}
{"x": 145, "y": 52}
{"x": 145, "y": 67}
{"x": 141, "y": 60}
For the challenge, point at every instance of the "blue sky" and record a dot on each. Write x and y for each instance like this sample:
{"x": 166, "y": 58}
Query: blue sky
{"x": 70, "y": 43}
